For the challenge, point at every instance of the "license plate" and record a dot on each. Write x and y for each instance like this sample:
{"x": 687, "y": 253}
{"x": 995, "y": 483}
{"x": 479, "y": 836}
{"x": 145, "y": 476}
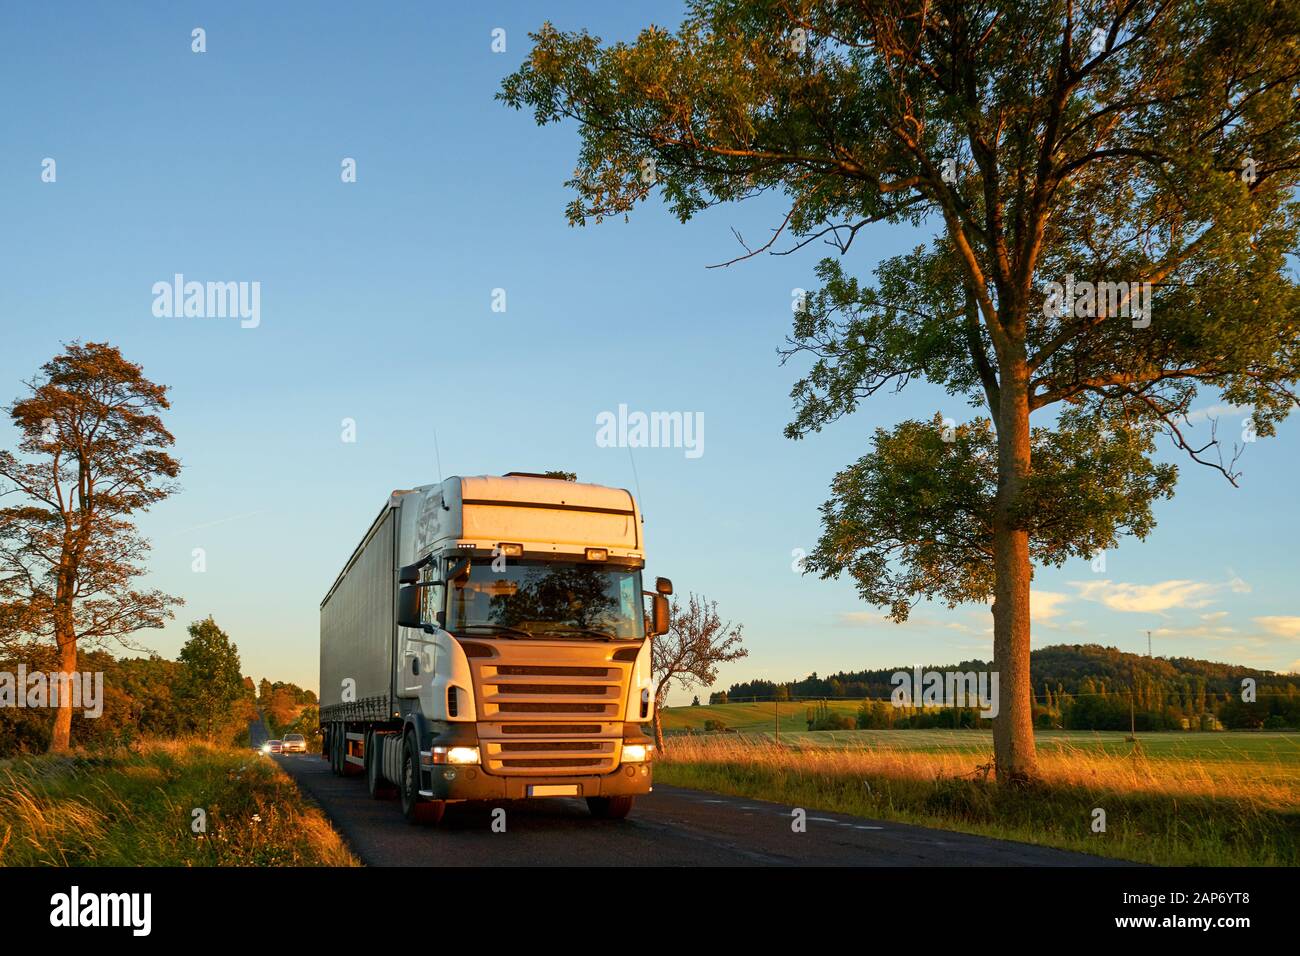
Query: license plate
{"x": 553, "y": 790}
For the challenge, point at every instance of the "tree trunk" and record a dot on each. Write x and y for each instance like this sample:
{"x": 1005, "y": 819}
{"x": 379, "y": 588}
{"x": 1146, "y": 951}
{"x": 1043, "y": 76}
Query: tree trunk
{"x": 61, "y": 736}
{"x": 661, "y": 692}
{"x": 1013, "y": 727}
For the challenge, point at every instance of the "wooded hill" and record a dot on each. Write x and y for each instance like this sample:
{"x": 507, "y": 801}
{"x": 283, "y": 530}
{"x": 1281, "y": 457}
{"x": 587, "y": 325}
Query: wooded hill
{"x": 1087, "y": 686}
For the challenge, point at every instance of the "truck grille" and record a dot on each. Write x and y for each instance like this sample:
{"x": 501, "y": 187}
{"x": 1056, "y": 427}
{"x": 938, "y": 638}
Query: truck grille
{"x": 549, "y": 728}
{"x": 526, "y": 708}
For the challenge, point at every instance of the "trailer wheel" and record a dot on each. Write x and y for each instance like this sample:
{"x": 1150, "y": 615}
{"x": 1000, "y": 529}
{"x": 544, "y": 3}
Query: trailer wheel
{"x": 336, "y": 750}
{"x": 610, "y": 808}
{"x": 416, "y": 810}
{"x": 379, "y": 787}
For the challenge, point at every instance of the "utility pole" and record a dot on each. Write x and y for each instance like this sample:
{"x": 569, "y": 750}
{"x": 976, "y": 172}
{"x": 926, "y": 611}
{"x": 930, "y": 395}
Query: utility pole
{"x": 1148, "y": 643}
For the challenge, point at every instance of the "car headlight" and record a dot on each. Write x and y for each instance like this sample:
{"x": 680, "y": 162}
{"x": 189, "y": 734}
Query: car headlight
{"x": 459, "y": 755}
{"x": 266, "y": 748}
{"x": 637, "y": 753}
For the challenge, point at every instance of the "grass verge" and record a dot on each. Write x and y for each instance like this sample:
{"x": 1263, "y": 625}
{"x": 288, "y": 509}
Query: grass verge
{"x": 1168, "y": 812}
{"x": 136, "y": 807}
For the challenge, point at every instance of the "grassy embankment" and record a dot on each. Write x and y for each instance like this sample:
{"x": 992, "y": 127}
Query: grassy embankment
{"x": 135, "y": 808}
{"x": 1175, "y": 799}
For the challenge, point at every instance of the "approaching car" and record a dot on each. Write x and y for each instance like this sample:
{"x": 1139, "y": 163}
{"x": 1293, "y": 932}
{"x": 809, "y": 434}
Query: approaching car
{"x": 273, "y": 747}
{"x": 295, "y": 744}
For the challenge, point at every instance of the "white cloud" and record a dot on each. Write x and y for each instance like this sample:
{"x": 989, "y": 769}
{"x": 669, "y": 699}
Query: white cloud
{"x": 1147, "y": 598}
{"x": 1046, "y": 605}
{"x": 1280, "y": 626}
{"x": 1216, "y": 411}
{"x": 1200, "y": 630}
{"x": 861, "y": 617}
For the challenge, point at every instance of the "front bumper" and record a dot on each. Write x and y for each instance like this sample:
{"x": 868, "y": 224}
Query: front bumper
{"x": 454, "y": 783}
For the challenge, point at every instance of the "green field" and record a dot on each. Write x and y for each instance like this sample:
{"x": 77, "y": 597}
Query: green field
{"x": 751, "y": 717}
{"x": 760, "y": 721}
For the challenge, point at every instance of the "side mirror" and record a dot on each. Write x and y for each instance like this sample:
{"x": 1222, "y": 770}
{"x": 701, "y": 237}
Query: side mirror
{"x": 409, "y": 601}
{"x": 663, "y": 586}
{"x": 659, "y": 615}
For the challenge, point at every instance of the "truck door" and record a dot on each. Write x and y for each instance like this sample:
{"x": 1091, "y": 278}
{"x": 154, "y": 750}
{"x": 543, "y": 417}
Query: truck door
{"x": 419, "y": 652}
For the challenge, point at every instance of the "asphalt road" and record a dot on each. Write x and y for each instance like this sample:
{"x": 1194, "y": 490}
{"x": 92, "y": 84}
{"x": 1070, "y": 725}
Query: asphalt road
{"x": 670, "y": 827}
{"x": 258, "y": 733}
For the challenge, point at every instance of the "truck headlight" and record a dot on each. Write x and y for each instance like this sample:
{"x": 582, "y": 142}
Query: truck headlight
{"x": 458, "y": 755}
{"x": 637, "y": 753}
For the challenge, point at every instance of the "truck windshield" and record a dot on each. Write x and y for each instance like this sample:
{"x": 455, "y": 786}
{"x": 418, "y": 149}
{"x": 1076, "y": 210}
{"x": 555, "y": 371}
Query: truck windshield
{"x": 548, "y": 600}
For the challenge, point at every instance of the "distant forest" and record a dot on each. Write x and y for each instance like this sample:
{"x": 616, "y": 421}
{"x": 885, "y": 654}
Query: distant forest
{"x": 153, "y": 697}
{"x": 1076, "y": 687}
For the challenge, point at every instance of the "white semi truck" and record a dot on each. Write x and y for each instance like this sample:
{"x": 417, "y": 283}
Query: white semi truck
{"x": 489, "y": 640}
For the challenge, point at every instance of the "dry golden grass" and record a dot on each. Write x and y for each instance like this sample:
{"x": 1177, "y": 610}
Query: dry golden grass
{"x": 1269, "y": 782}
{"x": 1159, "y": 809}
{"x": 135, "y": 807}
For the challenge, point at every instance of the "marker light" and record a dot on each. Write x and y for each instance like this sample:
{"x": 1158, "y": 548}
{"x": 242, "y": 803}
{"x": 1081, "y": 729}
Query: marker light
{"x": 510, "y": 550}
{"x": 597, "y": 554}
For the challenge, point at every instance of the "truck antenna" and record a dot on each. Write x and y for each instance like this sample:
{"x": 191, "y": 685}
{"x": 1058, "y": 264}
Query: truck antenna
{"x": 437, "y": 455}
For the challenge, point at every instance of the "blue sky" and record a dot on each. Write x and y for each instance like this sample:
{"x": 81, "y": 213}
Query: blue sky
{"x": 376, "y": 306}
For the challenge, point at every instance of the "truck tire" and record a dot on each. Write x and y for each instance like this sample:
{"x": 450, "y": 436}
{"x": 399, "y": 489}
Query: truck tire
{"x": 610, "y": 808}
{"x": 380, "y": 788}
{"x": 416, "y": 810}
{"x": 336, "y": 750}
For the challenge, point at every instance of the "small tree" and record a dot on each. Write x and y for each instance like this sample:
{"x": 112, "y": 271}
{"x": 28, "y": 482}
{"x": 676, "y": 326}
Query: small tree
{"x": 95, "y": 455}
{"x": 211, "y": 684}
{"x": 696, "y": 643}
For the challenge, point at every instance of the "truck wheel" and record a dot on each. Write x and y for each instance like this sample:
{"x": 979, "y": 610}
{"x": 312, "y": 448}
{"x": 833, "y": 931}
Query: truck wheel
{"x": 380, "y": 789}
{"x": 340, "y": 748}
{"x": 610, "y": 808}
{"x": 416, "y": 810}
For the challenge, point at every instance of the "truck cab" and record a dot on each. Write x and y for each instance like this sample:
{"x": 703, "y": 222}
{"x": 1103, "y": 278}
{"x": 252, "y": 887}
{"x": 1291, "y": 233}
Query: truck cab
{"x": 521, "y": 656}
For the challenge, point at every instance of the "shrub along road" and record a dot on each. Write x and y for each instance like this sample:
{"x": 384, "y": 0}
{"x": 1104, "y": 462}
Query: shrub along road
{"x": 670, "y": 827}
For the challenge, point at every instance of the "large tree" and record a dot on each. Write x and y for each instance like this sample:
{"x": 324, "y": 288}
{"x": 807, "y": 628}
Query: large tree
{"x": 1145, "y": 142}
{"x": 93, "y": 456}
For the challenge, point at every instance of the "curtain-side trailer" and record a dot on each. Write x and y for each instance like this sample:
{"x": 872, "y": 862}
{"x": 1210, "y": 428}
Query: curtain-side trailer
{"x": 489, "y": 640}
